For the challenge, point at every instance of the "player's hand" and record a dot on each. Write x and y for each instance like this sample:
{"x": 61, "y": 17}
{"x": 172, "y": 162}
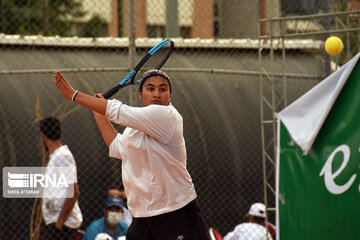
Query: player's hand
{"x": 63, "y": 85}
{"x": 99, "y": 95}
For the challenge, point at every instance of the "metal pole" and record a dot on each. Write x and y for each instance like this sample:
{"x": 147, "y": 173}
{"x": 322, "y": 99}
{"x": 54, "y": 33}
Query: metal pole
{"x": 347, "y": 34}
{"x": 45, "y": 17}
{"x": 327, "y": 27}
{"x": 271, "y": 41}
{"x": 132, "y": 47}
{"x": 263, "y": 144}
{"x": 172, "y": 27}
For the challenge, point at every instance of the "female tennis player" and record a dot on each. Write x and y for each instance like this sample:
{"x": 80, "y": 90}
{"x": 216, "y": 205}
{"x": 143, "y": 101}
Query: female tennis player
{"x": 161, "y": 195}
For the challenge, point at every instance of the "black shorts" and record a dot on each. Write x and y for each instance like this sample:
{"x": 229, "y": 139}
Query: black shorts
{"x": 51, "y": 232}
{"x": 185, "y": 223}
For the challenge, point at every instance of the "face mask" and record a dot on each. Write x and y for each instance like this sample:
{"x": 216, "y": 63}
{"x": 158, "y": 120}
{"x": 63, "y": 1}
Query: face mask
{"x": 114, "y": 217}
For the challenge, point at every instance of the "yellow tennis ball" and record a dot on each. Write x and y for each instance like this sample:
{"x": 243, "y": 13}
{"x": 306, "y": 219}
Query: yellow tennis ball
{"x": 333, "y": 45}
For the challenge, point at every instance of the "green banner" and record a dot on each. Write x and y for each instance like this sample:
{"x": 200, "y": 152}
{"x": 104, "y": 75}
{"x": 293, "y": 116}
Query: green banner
{"x": 319, "y": 193}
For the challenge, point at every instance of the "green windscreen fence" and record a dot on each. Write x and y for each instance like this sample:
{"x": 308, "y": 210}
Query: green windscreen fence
{"x": 319, "y": 193}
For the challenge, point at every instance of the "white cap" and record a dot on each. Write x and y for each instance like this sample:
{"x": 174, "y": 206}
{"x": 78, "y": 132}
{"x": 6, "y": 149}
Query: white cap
{"x": 257, "y": 209}
{"x": 103, "y": 236}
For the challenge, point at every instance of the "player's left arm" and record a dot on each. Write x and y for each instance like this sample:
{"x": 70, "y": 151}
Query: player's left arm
{"x": 93, "y": 103}
{"x": 107, "y": 130}
{"x": 68, "y": 206}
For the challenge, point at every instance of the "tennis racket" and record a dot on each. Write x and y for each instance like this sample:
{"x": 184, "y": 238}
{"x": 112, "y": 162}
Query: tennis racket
{"x": 157, "y": 56}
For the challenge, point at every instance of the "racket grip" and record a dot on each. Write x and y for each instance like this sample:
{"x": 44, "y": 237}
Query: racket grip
{"x": 111, "y": 92}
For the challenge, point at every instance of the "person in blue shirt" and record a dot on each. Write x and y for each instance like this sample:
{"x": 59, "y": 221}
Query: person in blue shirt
{"x": 111, "y": 224}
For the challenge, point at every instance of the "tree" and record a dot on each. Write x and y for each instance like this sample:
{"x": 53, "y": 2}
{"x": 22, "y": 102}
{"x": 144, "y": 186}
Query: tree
{"x": 43, "y": 17}
{"x": 94, "y": 27}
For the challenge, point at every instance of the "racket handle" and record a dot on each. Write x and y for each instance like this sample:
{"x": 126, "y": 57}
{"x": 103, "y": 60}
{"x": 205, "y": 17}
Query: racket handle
{"x": 111, "y": 92}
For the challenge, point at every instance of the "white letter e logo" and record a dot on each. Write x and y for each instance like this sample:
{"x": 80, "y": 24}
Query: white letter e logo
{"x": 329, "y": 177}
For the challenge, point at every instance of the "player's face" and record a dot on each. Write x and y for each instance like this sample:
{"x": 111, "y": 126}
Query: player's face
{"x": 156, "y": 90}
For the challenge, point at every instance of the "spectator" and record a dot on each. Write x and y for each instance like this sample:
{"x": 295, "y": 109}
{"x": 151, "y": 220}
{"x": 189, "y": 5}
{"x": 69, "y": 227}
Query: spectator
{"x": 127, "y": 218}
{"x": 257, "y": 210}
{"x": 254, "y": 229}
{"x": 110, "y": 226}
{"x": 60, "y": 208}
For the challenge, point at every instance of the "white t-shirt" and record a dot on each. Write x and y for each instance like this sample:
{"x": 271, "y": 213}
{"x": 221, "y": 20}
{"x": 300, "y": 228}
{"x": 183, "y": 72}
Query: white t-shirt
{"x": 51, "y": 206}
{"x": 153, "y": 153}
{"x": 248, "y": 231}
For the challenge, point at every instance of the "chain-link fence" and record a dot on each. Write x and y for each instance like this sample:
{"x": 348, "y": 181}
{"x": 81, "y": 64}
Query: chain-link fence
{"x": 219, "y": 71}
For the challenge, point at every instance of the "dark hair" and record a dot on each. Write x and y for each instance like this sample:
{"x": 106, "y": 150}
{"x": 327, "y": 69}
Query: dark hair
{"x": 258, "y": 219}
{"x": 151, "y": 73}
{"x": 51, "y": 128}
